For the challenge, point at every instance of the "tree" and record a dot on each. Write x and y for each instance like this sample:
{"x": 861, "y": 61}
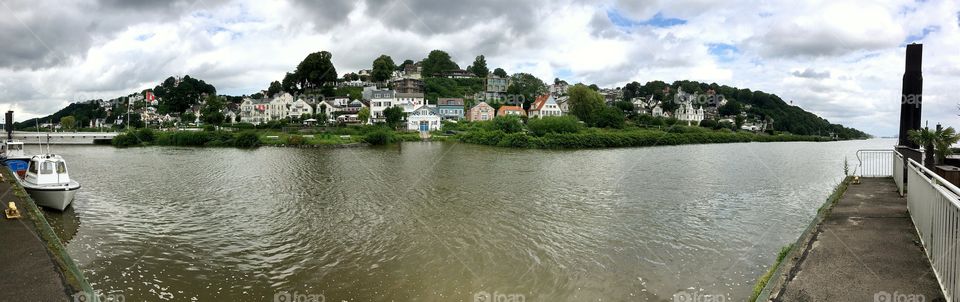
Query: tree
{"x": 404, "y": 64}
{"x": 180, "y": 94}
{"x": 730, "y": 108}
{"x": 437, "y": 62}
{"x": 526, "y": 86}
{"x": 68, "y": 122}
{"x": 585, "y": 103}
{"x": 289, "y": 83}
{"x": 188, "y": 118}
{"x": 936, "y": 143}
{"x": 500, "y": 72}
{"x": 212, "y": 111}
{"x": 609, "y": 117}
{"x": 394, "y": 116}
{"x": 594, "y": 87}
{"x": 316, "y": 70}
{"x": 479, "y": 67}
{"x": 363, "y": 115}
{"x": 383, "y": 68}
{"x": 275, "y": 88}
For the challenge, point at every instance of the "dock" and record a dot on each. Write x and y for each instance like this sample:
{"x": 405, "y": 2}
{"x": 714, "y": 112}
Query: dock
{"x": 884, "y": 239}
{"x": 64, "y": 138}
{"x": 33, "y": 262}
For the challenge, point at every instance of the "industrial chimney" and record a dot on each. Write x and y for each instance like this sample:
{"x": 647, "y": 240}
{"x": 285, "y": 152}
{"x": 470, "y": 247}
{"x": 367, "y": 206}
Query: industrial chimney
{"x": 911, "y": 101}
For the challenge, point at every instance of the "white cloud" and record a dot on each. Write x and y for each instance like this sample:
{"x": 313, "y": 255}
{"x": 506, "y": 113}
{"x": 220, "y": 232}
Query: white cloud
{"x": 840, "y": 60}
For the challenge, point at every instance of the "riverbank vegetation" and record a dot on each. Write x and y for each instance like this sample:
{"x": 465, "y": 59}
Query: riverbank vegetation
{"x": 251, "y": 138}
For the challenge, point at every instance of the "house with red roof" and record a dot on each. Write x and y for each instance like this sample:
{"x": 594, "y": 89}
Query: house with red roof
{"x": 511, "y": 110}
{"x": 545, "y": 105}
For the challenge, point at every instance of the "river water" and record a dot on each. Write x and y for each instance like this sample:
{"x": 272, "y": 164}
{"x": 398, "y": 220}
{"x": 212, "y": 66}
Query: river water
{"x": 442, "y": 221}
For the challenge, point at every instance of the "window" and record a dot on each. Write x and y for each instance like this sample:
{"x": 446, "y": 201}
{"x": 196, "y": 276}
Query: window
{"x": 33, "y": 167}
{"x": 61, "y": 168}
{"x": 46, "y": 167}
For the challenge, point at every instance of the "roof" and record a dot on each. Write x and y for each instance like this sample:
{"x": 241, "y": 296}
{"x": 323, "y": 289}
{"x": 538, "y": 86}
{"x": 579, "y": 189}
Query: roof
{"x": 504, "y": 109}
{"x": 450, "y": 102}
{"x": 409, "y": 95}
{"x": 539, "y": 102}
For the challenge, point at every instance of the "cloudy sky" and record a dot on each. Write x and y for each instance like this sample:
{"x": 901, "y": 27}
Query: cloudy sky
{"x": 842, "y": 60}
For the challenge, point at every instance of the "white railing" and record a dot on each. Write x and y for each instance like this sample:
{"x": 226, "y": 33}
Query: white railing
{"x": 899, "y": 168}
{"x": 874, "y": 163}
{"x": 935, "y": 211}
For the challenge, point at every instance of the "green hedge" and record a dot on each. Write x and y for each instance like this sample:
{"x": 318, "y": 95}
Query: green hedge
{"x": 595, "y": 138}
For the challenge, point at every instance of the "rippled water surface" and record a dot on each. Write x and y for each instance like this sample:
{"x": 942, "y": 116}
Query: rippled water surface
{"x": 442, "y": 221}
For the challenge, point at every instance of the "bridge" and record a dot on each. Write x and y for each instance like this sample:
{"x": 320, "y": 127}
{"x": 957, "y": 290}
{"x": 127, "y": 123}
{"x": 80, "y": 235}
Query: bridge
{"x": 892, "y": 236}
{"x": 63, "y": 138}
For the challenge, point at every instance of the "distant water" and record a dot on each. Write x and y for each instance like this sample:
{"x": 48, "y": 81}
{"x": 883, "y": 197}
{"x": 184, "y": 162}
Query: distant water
{"x": 443, "y": 221}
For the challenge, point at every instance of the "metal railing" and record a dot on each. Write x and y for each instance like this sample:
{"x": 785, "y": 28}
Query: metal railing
{"x": 899, "y": 168}
{"x": 935, "y": 210}
{"x": 874, "y": 163}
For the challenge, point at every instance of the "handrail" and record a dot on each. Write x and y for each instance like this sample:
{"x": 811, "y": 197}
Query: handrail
{"x": 878, "y": 167}
{"x": 940, "y": 181}
{"x": 899, "y": 171}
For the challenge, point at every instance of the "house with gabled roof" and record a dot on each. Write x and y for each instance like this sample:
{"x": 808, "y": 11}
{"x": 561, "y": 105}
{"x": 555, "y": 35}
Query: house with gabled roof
{"x": 511, "y": 110}
{"x": 545, "y": 105}
{"x": 424, "y": 118}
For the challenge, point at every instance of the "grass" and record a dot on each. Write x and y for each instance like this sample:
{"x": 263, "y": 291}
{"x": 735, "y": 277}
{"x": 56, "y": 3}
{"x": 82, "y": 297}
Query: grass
{"x": 762, "y": 282}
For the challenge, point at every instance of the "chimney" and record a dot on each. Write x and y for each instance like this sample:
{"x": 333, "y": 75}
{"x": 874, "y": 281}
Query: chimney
{"x": 911, "y": 98}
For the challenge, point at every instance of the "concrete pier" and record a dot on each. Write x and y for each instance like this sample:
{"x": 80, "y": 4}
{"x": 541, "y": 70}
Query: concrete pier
{"x": 63, "y": 138}
{"x": 865, "y": 249}
{"x": 33, "y": 264}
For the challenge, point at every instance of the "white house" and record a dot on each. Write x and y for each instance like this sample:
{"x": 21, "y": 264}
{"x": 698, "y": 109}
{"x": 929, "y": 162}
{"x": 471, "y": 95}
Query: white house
{"x": 409, "y": 101}
{"x": 423, "y": 119}
{"x": 299, "y": 108}
{"x": 545, "y": 105}
{"x": 380, "y": 99}
{"x": 279, "y": 106}
{"x": 688, "y": 114}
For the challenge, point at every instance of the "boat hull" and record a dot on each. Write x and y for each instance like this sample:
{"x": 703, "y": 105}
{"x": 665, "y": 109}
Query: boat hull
{"x": 58, "y": 198}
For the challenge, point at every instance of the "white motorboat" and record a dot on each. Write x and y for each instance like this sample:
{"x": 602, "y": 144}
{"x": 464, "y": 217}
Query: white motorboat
{"x": 48, "y": 183}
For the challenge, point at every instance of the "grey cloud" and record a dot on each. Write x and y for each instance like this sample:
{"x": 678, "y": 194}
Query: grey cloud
{"x": 41, "y": 34}
{"x": 790, "y": 40}
{"x": 811, "y": 74}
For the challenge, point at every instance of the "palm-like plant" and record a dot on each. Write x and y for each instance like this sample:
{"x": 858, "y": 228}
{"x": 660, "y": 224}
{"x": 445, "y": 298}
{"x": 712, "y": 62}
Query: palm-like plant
{"x": 939, "y": 140}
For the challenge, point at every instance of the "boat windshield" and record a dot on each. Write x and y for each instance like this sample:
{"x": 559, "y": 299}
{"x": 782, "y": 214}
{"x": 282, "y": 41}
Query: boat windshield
{"x": 15, "y": 147}
{"x": 47, "y": 167}
{"x": 61, "y": 168}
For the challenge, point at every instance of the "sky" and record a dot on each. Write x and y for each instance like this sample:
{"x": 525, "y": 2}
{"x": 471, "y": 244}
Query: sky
{"x": 842, "y": 60}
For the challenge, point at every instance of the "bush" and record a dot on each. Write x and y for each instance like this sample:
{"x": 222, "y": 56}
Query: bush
{"x": 609, "y": 117}
{"x": 554, "y": 124}
{"x": 379, "y": 137}
{"x": 126, "y": 139}
{"x": 246, "y": 139}
{"x": 145, "y": 135}
{"x": 209, "y": 128}
{"x": 295, "y": 140}
{"x": 244, "y": 126}
{"x": 508, "y": 123}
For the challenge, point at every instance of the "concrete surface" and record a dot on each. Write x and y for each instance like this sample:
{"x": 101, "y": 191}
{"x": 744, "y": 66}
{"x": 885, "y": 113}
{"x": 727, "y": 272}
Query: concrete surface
{"x": 865, "y": 249}
{"x": 27, "y": 270}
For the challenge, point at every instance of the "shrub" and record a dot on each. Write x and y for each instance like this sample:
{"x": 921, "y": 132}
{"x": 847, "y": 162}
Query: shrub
{"x": 126, "y": 139}
{"x": 246, "y": 139}
{"x": 379, "y": 137}
{"x": 508, "y": 123}
{"x": 295, "y": 140}
{"x": 209, "y": 128}
{"x": 244, "y": 126}
{"x": 145, "y": 135}
{"x": 554, "y": 124}
{"x": 609, "y": 117}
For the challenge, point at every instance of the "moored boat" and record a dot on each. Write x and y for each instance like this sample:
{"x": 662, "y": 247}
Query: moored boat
{"x": 47, "y": 181}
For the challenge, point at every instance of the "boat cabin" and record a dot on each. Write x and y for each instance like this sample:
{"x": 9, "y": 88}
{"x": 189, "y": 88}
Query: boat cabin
{"x": 47, "y": 170}
{"x": 11, "y": 149}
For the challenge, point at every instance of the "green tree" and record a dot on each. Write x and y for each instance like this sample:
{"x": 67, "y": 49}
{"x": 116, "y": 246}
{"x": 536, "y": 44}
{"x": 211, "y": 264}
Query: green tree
{"x": 585, "y": 103}
{"x": 479, "y": 67}
{"x": 507, "y": 123}
{"x": 936, "y": 143}
{"x": 188, "y": 118}
{"x": 730, "y": 108}
{"x": 179, "y": 95}
{"x": 68, "y": 122}
{"x": 275, "y": 88}
{"x": 289, "y": 83}
{"x": 383, "y": 68}
{"x": 609, "y": 117}
{"x": 394, "y": 116}
{"x": 437, "y": 62}
{"x": 211, "y": 111}
{"x": 526, "y": 86}
{"x": 316, "y": 70}
{"x": 500, "y": 72}
{"x": 404, "y": 64}
{"x": 594, "y": 87}
{"x": 363, "y": 115}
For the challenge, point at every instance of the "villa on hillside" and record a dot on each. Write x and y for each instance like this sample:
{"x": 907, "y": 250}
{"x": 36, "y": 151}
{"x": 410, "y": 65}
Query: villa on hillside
{"x": 545, "y": 105}
{"x": 299, "y": 108}
{"x": 481, "y": 112}
{"x": 511, "y": 110}
{"x": 450, "y": 108}
{"x": 380, "y": 99}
